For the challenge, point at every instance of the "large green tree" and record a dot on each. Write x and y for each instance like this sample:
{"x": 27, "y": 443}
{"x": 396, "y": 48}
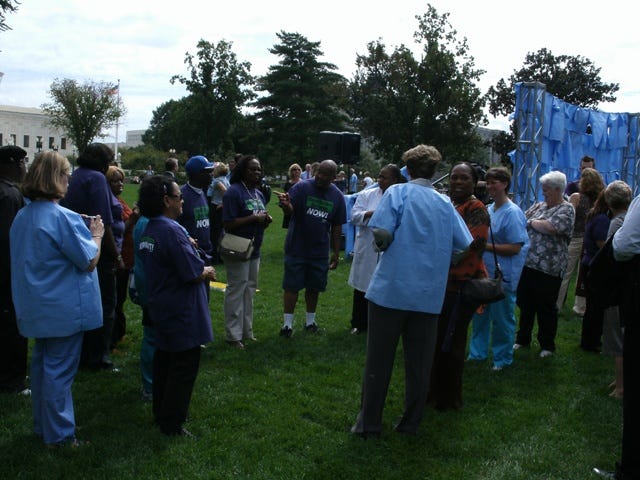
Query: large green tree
{"x": 172, "y": 127}
{"x": 302, "y": 96}
{"x": 83, "y": 111}
{"x": 574, "y": 79}
{"x": 398, "y": 101}
{"x": 219, "y": 86}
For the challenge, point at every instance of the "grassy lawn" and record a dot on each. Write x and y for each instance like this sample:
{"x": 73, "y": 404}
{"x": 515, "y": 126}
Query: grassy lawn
{"x": 282, "y": 408}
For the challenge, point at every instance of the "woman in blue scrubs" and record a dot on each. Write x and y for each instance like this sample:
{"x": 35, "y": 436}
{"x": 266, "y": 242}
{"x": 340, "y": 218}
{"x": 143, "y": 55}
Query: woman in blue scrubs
{"x": 55, "y": 292}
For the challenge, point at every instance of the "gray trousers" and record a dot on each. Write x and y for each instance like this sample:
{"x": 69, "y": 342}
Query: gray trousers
{"x": 242, "y": 282}
{"x": 418, "y": 331}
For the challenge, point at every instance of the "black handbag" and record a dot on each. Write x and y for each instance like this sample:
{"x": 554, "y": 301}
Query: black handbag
{"x": 481, "y": 291}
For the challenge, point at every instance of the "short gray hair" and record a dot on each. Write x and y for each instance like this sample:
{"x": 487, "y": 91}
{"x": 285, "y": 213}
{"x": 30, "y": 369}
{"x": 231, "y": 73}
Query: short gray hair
{"x": 555, "y": 180}
{"x": 618, "y": 195}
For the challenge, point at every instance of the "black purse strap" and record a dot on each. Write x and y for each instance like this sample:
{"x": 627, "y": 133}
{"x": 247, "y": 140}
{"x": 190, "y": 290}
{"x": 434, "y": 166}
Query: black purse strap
{"x": 498, "y": 270}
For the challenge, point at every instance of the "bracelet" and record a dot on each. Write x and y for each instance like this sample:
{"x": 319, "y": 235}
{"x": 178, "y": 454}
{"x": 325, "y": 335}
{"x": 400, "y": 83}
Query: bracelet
{"x": 96, "y": 236}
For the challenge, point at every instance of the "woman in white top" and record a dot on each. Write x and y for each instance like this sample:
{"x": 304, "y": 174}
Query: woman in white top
{"x": 365, "y": 257}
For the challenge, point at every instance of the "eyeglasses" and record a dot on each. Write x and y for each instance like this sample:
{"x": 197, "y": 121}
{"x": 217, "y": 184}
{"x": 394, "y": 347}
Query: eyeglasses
{"x": 179, "y": 196}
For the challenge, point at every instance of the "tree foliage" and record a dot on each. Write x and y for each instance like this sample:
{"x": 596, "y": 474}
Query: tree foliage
{"x": 574, "y": 79}
{"x": 303, "y": 96}
{"x": 219, "y": 86}
{"x": 398, "y": 101}
{"x": 172, "y": 126}
{"x": 7, "y": 6}
{"x": 84, "y": 111}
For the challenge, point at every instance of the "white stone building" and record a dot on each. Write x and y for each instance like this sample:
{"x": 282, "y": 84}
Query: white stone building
{"x": 28, "y": 128}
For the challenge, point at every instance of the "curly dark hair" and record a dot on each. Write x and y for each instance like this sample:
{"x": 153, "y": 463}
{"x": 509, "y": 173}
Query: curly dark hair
{"x": 151, "y": 195}
{"x": 238, "y": 173}
{"x": 97, "y": 156}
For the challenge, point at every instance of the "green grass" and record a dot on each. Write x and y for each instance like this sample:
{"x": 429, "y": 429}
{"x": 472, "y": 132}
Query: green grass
{"x": 281, "y": 409}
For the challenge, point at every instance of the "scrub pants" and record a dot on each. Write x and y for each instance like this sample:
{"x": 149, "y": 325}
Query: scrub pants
{"x": 147, "y": 351}
{"x": 54, "y": 363}
{"x": 502, "y": 315}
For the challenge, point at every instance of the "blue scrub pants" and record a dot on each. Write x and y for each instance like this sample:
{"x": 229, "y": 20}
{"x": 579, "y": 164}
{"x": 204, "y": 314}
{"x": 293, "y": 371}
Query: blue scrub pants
{"x": 147, "y": 351}
{"x": 502, "y": 315}
{"x": 54, "y": 363}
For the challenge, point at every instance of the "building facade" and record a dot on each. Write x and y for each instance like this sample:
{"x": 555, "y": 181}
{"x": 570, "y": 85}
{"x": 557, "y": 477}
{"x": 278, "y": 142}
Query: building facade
{"x": 29, "y": 128}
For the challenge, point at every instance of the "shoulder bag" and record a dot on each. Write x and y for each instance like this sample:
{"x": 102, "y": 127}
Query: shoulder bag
{"x": 235, "y": 247}
{"x": 481, "y": 291}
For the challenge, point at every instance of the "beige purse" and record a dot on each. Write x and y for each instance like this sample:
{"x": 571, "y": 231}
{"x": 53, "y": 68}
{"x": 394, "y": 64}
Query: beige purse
{"x": 234, "y": 247}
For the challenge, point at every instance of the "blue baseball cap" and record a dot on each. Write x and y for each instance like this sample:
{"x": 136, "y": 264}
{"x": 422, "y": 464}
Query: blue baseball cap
{"x": 197, "y": 164}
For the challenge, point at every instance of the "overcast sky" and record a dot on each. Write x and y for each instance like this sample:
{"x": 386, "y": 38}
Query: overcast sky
{"x": 143, "y": 42}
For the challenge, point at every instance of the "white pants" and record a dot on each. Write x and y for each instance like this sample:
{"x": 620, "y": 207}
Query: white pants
{"x": 242, "y": 282}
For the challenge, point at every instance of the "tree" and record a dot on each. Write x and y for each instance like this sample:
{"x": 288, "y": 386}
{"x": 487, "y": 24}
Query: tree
{"x": 398, "y": 101}
{"x": 84, "y": 111}
{"x": 574, "y": 79}
{"x": 172, "y": 127}
{"x": 303, "y": 97}
{"x": 219, "y": 86}
{"x": 10, "y": 6}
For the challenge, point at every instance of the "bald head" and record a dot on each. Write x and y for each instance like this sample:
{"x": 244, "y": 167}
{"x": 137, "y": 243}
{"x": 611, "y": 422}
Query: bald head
{"x": 326, "y": 173}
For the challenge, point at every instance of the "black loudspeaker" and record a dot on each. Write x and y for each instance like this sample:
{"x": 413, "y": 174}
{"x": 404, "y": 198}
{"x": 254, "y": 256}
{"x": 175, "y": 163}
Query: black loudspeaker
{"x": 330, "y": 146}
{"x": 350, "y": 149}
{"x": 341, "y": 147}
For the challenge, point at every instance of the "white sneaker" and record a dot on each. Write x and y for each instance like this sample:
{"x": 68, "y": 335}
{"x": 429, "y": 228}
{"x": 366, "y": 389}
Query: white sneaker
{"x": 495, "y": 368}
{"x": 25, "y": 393}
{"x": 517, "y": 346}
{"x": 545, "y": 353}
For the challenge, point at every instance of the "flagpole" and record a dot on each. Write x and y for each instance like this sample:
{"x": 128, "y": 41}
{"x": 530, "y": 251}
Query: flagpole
{"x": 115, "y": 145}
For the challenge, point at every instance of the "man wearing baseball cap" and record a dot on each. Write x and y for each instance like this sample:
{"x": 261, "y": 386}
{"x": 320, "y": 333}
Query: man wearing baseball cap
{"x": 13, "y": 346}
{"x": 195, "y": 209}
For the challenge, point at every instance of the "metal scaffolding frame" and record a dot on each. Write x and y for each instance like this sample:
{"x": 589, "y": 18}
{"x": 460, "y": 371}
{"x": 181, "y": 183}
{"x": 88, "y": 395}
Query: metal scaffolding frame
{"x": 528, "y": 153}
{"x": 527, "y": 158}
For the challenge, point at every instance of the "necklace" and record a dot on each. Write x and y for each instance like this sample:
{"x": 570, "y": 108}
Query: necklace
{"x": 249, "y": 193}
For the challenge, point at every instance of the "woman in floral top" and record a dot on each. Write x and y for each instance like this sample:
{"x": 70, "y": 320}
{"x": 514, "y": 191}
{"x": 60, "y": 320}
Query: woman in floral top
{"x": 549, "y": 226}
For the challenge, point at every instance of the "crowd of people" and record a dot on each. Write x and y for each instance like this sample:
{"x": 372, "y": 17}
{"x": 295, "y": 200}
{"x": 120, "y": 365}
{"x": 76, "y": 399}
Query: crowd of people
{"x": 414, "y": 252}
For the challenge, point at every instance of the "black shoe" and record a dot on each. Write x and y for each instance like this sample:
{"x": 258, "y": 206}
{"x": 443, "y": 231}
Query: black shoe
{"x": 312, "y": 328}
{"x": 363, "y": 435}
{"x": 286, "y": 332}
